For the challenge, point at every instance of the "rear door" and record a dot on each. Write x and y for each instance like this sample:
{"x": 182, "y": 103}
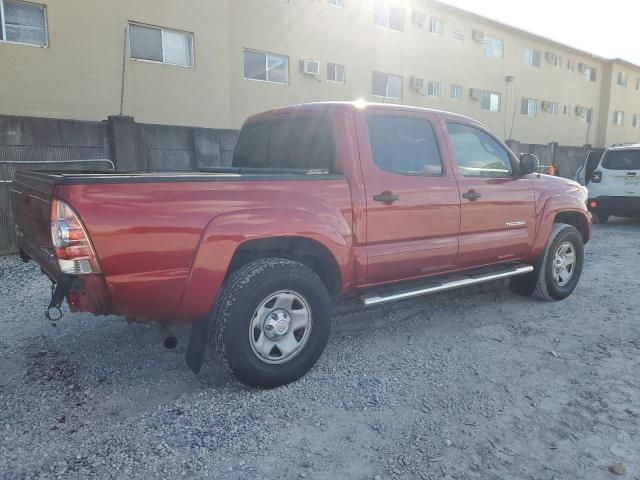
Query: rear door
{"x": 497, "y": 207}
{"x": 412, "y": 201}
{"x": 621, "y": 173}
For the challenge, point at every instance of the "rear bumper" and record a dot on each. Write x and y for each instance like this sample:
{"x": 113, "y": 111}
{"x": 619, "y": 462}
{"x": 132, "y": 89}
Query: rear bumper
{"x": 92, "y": 296}
{"x": 84, "y": 293}
{"x": 615, "y": 205}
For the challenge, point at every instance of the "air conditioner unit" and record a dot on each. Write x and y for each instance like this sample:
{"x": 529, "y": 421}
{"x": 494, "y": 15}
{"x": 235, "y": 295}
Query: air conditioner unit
{"x": 552, "y": 58}
{"x": 419, "y": 18}
{"x": 547, "y": 106}
{"x": 310, "y": 67}
{"x": 475, "y": 94}
{"x": 417, "y": 84}
{"x": 478, "y": 36}
{"x": 581, "y": 111}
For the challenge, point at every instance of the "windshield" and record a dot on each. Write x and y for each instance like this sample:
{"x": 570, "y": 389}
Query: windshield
{"x": 622, "y": 160}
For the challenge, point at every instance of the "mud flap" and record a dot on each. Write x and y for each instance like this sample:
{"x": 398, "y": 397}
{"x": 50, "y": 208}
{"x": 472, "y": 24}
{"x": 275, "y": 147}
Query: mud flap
{"x": 198, "y": 339}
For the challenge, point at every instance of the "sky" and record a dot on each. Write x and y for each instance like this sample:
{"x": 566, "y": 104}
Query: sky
{"x": 608, "y": 28}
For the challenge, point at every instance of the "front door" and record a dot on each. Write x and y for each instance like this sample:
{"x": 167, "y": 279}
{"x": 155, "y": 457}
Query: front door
{"x": 498, "y": 207}
{"x": 412, "y": 201}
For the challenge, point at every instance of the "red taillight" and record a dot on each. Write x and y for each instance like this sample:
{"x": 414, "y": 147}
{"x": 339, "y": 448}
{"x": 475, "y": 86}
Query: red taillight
{"x": 593, "y": 204}
{"x": 71, "y": 243}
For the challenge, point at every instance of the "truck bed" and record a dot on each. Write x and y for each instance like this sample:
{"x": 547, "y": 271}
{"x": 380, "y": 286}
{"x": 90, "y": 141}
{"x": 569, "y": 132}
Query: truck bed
{"x": 147, "y": 227}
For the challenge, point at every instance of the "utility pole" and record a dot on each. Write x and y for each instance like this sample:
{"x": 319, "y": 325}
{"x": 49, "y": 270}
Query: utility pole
{"x": 124, "y": 67}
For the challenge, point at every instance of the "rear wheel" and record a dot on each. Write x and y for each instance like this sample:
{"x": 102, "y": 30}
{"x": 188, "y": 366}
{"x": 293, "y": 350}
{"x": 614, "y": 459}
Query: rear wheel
{"x": 272, "y": 322}
{"x": 558, "y": 271}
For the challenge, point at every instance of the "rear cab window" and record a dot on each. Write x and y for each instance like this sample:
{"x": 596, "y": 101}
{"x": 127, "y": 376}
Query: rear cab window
{"x": 622, "y": 160}
{"x": 477, "y": 153}
{"x": 404, "y": 145}
{"x": 289, "y": 142}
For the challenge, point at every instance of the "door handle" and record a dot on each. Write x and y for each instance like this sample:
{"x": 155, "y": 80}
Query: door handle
{"x": 471, "y": 195}
{"x": 386, "y": 197}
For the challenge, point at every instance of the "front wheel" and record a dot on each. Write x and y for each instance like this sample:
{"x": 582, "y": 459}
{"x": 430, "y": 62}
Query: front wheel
{"x": 558, "y": 271}
{"x": 272, "y": 322}
{"x": 562, "y": 263}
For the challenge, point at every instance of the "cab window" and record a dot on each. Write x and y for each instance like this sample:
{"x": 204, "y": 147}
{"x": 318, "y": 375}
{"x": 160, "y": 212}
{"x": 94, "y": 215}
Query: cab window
{"x": 403, "y": 145}
{"x": 477, "y": 153}
{"x": 294, "y": 142}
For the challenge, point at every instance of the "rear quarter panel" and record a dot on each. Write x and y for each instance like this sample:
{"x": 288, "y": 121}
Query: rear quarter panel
{"x": 148, "y": 236}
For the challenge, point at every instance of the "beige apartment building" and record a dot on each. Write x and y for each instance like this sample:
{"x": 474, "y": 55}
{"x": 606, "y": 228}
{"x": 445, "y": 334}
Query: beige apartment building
{"x": 212, "y": 63}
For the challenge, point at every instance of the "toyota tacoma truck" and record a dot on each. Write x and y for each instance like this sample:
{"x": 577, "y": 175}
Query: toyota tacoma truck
{"x": 381, "y": 202}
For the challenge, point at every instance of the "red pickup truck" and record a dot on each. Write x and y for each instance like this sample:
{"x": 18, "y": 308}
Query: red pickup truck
{"x": 386, "y": 202}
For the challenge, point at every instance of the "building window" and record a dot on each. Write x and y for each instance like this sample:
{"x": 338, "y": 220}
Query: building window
{"x": 550, "y": 107}
{"x": 161, "y": 45}
{"x": 493, "y": 47}
{"x": 589, "y": 73}
{"x": 532, "y": 57}
{"x": 436, "y": 26}
{"x": 636, "y": 120}
{"x": 336, "y": 73}
{"x": 567, "y": 110}
{"x": 338, "y": 3}
{"x": 456, "y": 92}
{"x": 24, "y": 23}
{"x": 622, "y": 79}
{"x": 571, "y": 65}
{"x": 637, "y": 83}
{"x": 434, "y": 89}
{"x": 618, "y": 118}
{"x": 266, "y": 67}
{"x": 490, "y": 101}
{"x": 389, "y": 17}
{"x": 387, "y": 86}
{"x": 458, "y": 33}
{"x": 529, "y": 107}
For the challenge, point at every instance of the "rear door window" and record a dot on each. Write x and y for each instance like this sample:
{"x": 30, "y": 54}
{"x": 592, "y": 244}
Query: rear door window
{"x": 403, "y": 145}
{"x": 293, "y": 142}
{"x": 622, "y": 160}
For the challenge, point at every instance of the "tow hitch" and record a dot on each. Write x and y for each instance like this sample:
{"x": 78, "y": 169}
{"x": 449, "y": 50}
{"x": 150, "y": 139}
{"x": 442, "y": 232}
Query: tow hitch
{"x": 59, "y": 292}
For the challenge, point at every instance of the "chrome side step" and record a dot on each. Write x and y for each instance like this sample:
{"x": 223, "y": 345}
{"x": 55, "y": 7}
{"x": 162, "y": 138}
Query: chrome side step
{"x": 446, "y": 283}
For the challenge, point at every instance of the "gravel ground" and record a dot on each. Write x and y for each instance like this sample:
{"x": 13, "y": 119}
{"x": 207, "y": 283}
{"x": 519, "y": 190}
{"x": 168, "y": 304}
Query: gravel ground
{"x": 476, "y": 384}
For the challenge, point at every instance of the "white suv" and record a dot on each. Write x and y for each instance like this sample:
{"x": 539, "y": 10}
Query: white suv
{"x": 614, "y": 183}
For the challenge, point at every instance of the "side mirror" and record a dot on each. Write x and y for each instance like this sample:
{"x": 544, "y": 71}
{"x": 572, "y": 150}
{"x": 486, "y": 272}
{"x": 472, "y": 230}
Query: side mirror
{"x": 529, "y": 163}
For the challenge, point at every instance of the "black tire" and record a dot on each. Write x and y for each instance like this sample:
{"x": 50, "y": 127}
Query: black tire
{"x": 242, "y": 293}
{"x": 541, "y": 282}
{"x": 601, "y": 217}
{"x": 547, "y": 288}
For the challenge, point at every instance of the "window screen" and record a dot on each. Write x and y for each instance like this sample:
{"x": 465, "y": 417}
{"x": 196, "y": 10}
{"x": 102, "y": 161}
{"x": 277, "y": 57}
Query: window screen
{"x": 477, "y": 154}
{"x": 25, "y": 23}
{"x": 146, "y": 43}
{"x": 294, "y": 142}
{"x": 622, "y": 160}
{"x": 404, "y": 145}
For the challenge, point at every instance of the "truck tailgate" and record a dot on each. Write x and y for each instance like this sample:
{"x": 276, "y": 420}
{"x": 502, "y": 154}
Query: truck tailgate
{"x": 31, "y": 194}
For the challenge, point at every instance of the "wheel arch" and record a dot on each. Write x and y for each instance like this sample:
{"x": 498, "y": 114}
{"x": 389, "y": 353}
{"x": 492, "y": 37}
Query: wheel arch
{"x": 575, "y": 219}
{"x": 304, "y": 250}
{"x": 318, "y": 240}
